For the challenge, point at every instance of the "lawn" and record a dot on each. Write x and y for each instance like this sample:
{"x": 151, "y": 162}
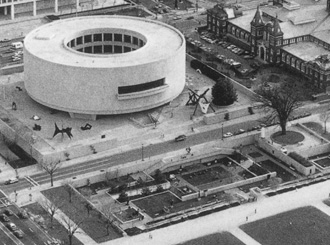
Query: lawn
{"x": 255, "y": 154}
{"x": 290, "y": 138}
{"x": 273, "y": 167}
{"x": 302, "y": 226}
{"x": 58, "y": 231}
{"x": 318, "y": 128}
{"x": 224, "y": 238}
{"x": 206, "y": 176}
{"x": 93, "y": 224}
{"x": 154, "y": 205}
{"x": 128, "y": 215}
{"x": 325, "y": 162}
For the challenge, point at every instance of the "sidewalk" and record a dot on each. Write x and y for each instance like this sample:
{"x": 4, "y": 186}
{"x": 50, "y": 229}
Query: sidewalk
{"x": 231, "y": 219}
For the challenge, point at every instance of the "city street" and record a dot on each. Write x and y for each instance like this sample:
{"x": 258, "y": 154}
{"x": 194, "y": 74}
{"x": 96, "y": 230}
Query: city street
{"x": 130, "y": 156}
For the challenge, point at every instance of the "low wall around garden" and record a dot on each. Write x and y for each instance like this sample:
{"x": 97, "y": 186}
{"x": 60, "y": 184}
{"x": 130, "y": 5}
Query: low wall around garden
{"x": 240, "y": 183}
{"x": 138, "y": 191}
{"x": 233, "y": 112}
{"x": 285, "y": 158}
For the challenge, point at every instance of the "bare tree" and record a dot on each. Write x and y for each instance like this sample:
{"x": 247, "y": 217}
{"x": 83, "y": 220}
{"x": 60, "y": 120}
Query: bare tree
{"x": 274, "y": 182}
{"x": 107, "y": 218}
{"x": 71, "y": 227}
{"x": 52, "y": 207}
{"x": 88, "y": 207}
{"x": 69, "y": 189}
{"x": 278, "y": 102}
{"x": 50, "y": 167}
{"x": 324, "y": 118}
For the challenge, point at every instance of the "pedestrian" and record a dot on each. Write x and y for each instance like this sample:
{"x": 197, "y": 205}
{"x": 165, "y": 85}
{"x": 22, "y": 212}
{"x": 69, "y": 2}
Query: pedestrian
{"x": 247, "y": 218}
{"x": 255, "y": 211}
{"x": 150, "y": 236}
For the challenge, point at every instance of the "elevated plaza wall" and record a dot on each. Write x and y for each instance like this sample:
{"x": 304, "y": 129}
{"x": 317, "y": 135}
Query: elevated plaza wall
{"x": 285, "y": 158}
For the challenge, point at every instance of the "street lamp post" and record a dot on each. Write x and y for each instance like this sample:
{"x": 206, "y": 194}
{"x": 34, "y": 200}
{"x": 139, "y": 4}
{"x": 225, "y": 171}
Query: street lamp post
{"x": 142, "y": 153}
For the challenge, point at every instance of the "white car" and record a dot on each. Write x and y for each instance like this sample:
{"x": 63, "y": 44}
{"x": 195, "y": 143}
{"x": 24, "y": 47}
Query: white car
{"x": 227, "y": 135}
{"x": 11, "y": 181}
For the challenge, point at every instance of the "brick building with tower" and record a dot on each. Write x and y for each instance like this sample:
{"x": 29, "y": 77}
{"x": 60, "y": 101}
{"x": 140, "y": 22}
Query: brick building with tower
{"x": 292, "y": 33}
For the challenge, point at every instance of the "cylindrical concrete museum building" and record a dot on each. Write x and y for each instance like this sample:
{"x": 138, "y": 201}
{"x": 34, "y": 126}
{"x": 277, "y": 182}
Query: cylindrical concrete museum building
{"x": 101, "y": 65}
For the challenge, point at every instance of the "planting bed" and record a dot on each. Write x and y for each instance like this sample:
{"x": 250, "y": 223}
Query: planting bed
{"x": 57, "y": 231}
{"x": 324, "y": 162}
{"x": 206, "y": 176}
{"x": 154, "y": 204}
{"x": 93, "y": 223}
{"x": 255, "y": 154}
{"x": 273, "y": 167}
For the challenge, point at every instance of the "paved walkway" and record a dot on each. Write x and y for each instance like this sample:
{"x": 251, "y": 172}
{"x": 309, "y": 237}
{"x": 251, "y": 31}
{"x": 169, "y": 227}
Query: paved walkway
{"x": 231, "y": 219}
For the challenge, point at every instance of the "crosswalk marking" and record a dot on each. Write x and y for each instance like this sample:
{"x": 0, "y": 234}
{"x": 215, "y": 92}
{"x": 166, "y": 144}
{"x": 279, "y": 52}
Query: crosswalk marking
{"x": 31, "y": 181}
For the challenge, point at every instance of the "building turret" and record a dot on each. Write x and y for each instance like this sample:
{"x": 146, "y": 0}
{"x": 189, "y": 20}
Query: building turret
{"x": 257, "y": 29}
{"x": 275, "y": 41}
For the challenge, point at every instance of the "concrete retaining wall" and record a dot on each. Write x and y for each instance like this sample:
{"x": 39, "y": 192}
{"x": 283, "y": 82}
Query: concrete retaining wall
{"x": 285, "y": 158}
{"x": 240, "y": 183}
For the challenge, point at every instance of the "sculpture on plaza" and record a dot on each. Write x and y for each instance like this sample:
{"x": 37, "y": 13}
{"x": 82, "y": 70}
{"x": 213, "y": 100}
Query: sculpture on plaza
{"x": 62, "y": 131}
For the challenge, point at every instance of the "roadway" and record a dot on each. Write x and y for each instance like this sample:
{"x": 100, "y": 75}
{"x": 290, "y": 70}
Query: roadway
{"x": 6, "y": 53}
{"x": 128, "y": 156}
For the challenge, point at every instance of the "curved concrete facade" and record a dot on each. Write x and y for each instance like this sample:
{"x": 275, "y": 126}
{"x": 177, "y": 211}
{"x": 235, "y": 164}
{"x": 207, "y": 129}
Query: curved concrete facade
{"x": 102, "y": 65}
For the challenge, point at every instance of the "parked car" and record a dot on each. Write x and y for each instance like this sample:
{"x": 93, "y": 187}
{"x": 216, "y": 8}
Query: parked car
{"x": 11, "y": 181}
{"x": 241, "y": 131}
{"x": 284, "y": 150}
{"x": 236, "y": 64}
{"x": 180, "y": 138}
{"x": 240, "y": 52}
{"x": 18, "y": 233}
{"x": 8, "y": 212}
{"x": 11, "y": 226}
{"x": 248, "y": 57}
{"x": 23, "y": 214}
{"x": 227, "y": 135}
{"x": 4, "y": 218}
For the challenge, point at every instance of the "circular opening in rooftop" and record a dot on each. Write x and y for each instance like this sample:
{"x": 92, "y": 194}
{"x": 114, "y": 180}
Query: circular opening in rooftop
{"x": 106, "y": 41}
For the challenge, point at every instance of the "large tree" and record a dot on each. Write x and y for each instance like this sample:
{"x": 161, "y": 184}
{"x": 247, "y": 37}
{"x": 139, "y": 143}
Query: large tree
{"x": 71, "y": 227}
{"x": 52, "y": 207}
{"x": 223, "y": 92}
{"x": 278, "y": 102}
{"x": 324, "y": 117}
{"x": 107, "y": 218}
{"x": 50, "y": 167}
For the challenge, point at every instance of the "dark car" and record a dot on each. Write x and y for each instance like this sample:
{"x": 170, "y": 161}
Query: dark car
{"x": 180, "y": 138}
{"x": 8, "y": 212}
{"x": 18, "y": 233}
{"x": 23, "y": 214}
{"x": 4, "y": 218}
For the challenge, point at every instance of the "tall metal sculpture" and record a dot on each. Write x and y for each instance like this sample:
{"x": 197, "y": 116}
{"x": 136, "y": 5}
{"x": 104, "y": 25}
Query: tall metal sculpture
{"x": 195, "y": 98}
{"x": 67, "y": 131}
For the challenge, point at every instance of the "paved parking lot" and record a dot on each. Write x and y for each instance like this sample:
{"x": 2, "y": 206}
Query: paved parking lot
{"x": 32, "y": 234}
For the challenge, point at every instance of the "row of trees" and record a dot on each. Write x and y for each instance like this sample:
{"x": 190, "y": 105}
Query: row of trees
{"x": 72, "y": 226}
